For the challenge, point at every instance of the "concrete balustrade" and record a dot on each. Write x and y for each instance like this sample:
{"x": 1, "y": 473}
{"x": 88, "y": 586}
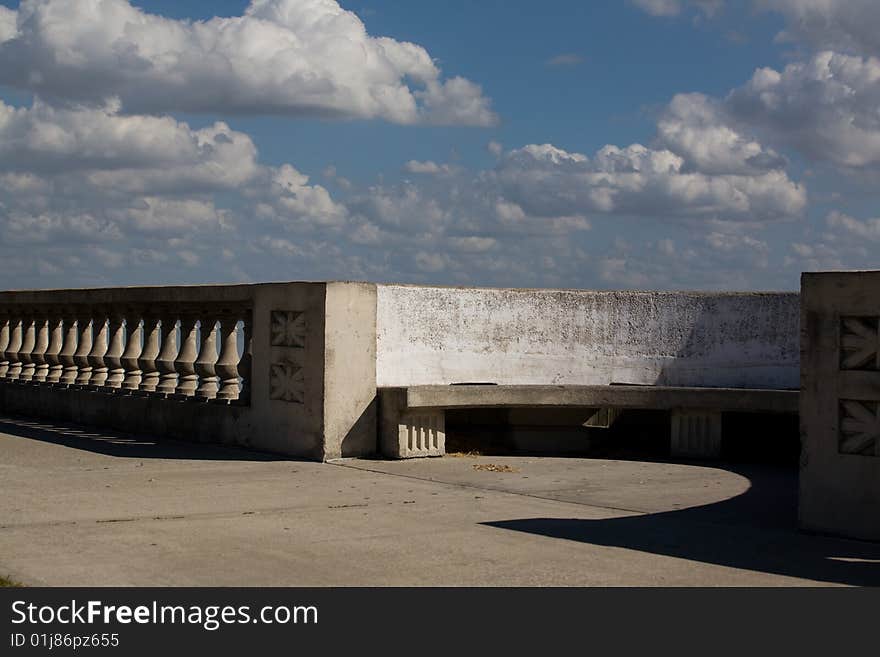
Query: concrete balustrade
{"x": 251, "y": 365}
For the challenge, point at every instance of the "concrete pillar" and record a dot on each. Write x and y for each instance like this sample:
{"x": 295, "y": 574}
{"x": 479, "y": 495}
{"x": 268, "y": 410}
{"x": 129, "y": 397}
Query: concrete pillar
{"x": 409, "y": 433}
{"x": 696, "y": 434}
{"x": 56, "y": 343}
{"x": 38, "y": 356}
{"x": 227, "y": 362}
{"x": 4, "y": 342}
{"x": 115, "y": 348}
{"x": 186, "y": 359}
{"x": 133, "y": 347}
{"x": 99, "y": 349}
{"x": 167, "y": 355}
{"x": 84, "y": 346}
{"x": 29, "y": 340}
{"x": 67, "y": 358}
{"x": 204, "y": 365}
{"x": 149, "y": 353}
{"x": 15, "y": 335}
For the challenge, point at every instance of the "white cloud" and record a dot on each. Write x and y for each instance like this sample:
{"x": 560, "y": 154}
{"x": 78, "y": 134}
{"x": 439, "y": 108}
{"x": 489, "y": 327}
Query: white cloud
{"x": 291, "y": 57}
{"x": 428, "y": 167}
{"x": 696, "y": 127}
{"x": 845, "y": 25}
{"x": 843, "y": 224}
{"x": 825, "y": 107}
{"x": 675, "y": 7}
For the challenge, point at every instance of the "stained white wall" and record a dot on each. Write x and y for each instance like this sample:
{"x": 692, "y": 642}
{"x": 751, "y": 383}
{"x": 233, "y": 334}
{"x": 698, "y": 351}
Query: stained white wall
{"x": 437, "y": 335}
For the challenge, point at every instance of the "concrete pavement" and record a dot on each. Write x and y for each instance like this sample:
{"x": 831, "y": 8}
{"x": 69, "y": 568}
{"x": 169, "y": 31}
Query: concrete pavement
{"x": 85, "y": 508}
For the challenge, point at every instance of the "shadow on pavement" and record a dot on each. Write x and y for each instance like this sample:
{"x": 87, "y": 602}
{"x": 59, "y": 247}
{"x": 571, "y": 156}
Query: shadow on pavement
{"x": 112, "y": 443}
{"x": 754, "y": 531}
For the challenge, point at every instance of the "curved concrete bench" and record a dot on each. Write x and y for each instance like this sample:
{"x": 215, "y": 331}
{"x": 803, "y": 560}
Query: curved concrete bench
{"x": 412, "y": 422}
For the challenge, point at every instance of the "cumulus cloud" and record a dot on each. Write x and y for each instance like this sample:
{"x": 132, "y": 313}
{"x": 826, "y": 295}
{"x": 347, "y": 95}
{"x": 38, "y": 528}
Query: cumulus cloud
{"x": 289, "y": 57}
{"x": 697, "y": 128}
{"x": 851, "y": 26}
{"x": 825, "y": 107}
{"x": 92, "y": 176}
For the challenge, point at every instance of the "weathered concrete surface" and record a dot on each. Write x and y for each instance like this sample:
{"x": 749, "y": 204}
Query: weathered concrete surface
{"x": 654, "y": 397}
{"x": 435, "y": 335}
{"x": 80, "y": 508}
{"x": 840, "y": 404}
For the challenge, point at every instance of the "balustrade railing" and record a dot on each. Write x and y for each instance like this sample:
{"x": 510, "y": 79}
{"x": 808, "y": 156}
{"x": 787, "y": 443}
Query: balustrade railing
{"x": 180, "y": 350}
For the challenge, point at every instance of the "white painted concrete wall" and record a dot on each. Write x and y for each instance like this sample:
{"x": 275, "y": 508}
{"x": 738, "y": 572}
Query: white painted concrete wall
{"x": 436, "y": 335}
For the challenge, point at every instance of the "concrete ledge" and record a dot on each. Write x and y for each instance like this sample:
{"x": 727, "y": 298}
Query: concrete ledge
{"x": 653, "y": 397}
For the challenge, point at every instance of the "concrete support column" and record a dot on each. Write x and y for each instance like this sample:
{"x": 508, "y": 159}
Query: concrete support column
{"x": 99, "y": 348}
{"x": 204, "y": 365}
{"x": 245, "y": 367}
{"x": 84, "y": 347}
{"x": 186, "y": 359}
{"x": 115, "y": 349}
{"x": 56, "y": 341}
{"x": 38, "y": 356}
{"x": 133, "y": 347}
{"x": 696, "y": 434}
{"x": 66, "y": 357}
{"x": 12, "y": 350}
{"x": 227, "y": 362}
{"x": 25, "y": 354}
{"x": 168, "y": 354}
{"x": 4, "y": 342}
{"x": 408, "y": 433}
{"x": 147, "y": 360}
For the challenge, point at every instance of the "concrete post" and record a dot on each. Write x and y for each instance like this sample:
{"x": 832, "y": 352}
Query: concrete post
{"x": 25, "y": 354}
{"x": 167, "y": 355}
{"x": 133, "y": 348}
{"x": 147, "y": 359}
{"x": 12, "y": 350}
{"x": 56, "y": 343}
{"x": 41, "y": 366}
{"x": 99, "y": 349}
{"x": 204, "y": 365}
{"x": 227, "y": 362}
{"x": 67, "y": 358}
{"x": 84, "y": 347}
{"x": 185, "y": 363}
{"x": 115, "y": 348}
{"x": 4, "y": 342}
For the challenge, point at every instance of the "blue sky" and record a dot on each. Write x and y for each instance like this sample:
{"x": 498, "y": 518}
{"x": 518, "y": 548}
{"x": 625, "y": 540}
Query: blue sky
{"x": 698, "y": 144}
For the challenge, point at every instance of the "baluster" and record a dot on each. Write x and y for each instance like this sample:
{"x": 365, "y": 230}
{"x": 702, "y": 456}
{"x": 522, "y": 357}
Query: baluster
{"x": 186, "y": 359}
{"x": 25, "y": 354}
{"x": 14, "y": 346}
{"x": 147, "y": 359}
{"x": 54, "y": 368}
{"x": 4, "y": 341}
{"x": 227, "y": 362}
{"x": 113, "y": 357}
{"x": 41, "y": 366}
{"x": 99, "y": 348}
{"x": 244, "y": 367}
{"x": 168, "y": 354}
{"x": 83, "y": 348}
{"x": 208, "y": 379}
{"x": 67, "y": 358}
{"x": 133, "y": 349}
